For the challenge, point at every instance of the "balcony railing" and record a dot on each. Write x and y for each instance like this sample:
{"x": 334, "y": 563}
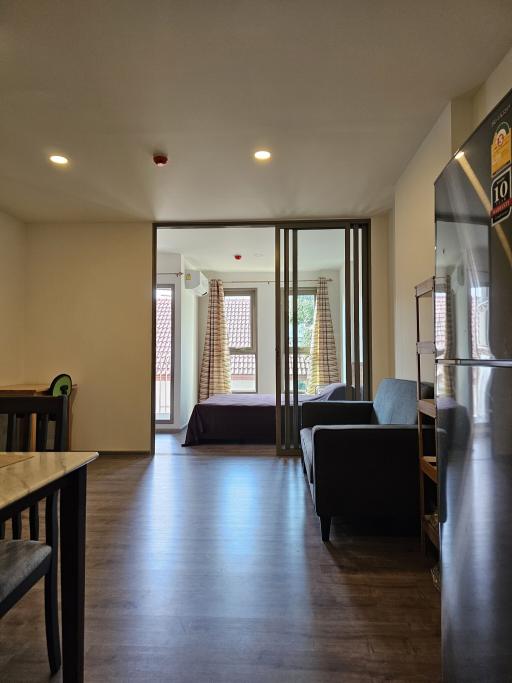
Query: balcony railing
{"x": 163, "y": 403}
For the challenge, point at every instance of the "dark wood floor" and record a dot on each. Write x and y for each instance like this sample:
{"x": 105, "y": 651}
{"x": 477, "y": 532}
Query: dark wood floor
{"x": 171, "y": 444}
{"x": 211, "y": 568}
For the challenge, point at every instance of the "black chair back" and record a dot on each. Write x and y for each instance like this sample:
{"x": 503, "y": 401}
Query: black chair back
{"x": 20, "y": 414}
{"x": 18, "y": 420}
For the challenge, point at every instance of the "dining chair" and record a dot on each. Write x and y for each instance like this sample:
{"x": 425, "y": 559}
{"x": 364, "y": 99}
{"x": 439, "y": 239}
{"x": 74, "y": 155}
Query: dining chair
{"x": 24, "y": 562}
{"x": 19, "y": 411}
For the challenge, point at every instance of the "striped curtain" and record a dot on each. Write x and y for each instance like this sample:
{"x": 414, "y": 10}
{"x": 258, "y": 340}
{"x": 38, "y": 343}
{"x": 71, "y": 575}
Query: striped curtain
{"x": 215, "y": 375}
{"x": 323, "y": 367}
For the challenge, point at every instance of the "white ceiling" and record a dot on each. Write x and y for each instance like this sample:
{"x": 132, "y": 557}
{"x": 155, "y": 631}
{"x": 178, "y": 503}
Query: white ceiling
{"x": 214, "y": 249}
{"x": 341, "y": 91}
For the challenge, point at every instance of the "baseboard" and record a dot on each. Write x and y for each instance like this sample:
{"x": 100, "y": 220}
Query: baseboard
{"x": 144, "y": 453}
{"x": 170, "y": 430}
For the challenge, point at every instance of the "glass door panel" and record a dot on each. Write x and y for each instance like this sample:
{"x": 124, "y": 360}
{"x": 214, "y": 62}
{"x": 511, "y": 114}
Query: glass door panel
{"x": 322, "y": 319}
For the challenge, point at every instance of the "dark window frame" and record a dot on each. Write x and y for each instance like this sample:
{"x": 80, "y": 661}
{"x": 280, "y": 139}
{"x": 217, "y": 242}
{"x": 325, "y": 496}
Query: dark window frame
{"x": 253, "y": 349}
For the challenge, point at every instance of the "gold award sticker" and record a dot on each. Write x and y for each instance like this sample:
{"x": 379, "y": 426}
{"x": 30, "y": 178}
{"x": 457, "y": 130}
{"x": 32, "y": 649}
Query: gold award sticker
{"x": 501, "y": 152}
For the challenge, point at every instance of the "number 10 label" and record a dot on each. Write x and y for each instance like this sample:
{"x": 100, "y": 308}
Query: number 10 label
{"x": 501, "y": 197}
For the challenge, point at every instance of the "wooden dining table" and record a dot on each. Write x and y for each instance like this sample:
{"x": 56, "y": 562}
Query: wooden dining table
{"x": 38, "y": 389}
{"x": 26, "y": 478}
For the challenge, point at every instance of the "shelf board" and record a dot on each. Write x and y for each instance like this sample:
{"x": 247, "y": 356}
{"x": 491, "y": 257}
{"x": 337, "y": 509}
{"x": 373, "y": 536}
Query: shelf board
{"x": 425, "y": 288}
{"x": 428, "y": 464}
{"x": 430, "y": 530}
{"x": 427, "y": 406}
{"x": 425, "y": 347}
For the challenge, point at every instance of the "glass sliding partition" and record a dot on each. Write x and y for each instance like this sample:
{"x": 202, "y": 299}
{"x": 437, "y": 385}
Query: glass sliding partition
{"x": 322, "y": 318}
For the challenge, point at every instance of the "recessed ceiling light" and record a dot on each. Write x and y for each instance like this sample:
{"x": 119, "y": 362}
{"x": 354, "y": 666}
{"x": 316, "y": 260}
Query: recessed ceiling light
{"x": 262, "y": 155}
{"x": 58, "y": 159}
{"x": 459, "y": 154}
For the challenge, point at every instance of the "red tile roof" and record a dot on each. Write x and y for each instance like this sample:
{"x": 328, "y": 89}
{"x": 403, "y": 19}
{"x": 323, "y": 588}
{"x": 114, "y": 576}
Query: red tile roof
{"x": 238, "y": 319}
{"x": 163, "y": 335}
{"x": 245, "y": 364}
{"x": 303, "y": 363}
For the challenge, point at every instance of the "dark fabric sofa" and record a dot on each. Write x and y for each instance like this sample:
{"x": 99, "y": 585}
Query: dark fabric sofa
{"x": 361, "y": 457}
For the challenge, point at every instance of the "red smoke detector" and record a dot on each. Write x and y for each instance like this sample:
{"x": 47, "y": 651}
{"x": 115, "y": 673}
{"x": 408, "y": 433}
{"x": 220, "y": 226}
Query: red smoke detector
{"x": 238, "y": 257}
{"x": 160, "y": 159}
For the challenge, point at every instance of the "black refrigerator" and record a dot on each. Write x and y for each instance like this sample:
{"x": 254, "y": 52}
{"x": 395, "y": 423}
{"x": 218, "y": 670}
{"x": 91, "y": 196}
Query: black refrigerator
{"x": 473, "y": 335}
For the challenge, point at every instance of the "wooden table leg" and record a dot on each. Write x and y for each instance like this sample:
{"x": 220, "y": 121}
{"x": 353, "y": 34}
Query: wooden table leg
{"x": 72, "y": 540}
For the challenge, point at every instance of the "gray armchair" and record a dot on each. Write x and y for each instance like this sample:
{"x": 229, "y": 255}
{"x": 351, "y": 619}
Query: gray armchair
{"x": 361, "y": 457}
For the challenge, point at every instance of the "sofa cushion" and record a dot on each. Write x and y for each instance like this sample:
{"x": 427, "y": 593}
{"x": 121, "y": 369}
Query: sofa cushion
{"x": 306, "y": 439}
{"x": 337, "y": 391}
{"x": 395, "y": 402}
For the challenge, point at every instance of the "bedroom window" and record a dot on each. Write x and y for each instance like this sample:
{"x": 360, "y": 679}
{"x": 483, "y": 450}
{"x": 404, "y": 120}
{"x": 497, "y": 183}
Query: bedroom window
{"x": 164, "y": 372}
{"x": 305, "y": 315}
{"x": 241, "y": 322}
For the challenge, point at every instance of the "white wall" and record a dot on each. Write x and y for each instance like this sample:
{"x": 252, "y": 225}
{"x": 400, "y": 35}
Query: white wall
{"x": 185, "y": 339}
{"x": 381, "y": 294}
{"x": 462, "y": 124}
{"x": 265, "y": 294}
{"x": 391, "y": 291}
{"x": 88, "y": 312}
{"x": 12, "y": 298}
{"x": 414, "y": 237}
{"x": 189, "y": 350}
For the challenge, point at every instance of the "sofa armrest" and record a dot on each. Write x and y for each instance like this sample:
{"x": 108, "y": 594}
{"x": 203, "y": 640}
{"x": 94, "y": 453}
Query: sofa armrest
{"x": 369, "y": 468}
{"x": 336, "y": 413}
{"x": 336, "y": 441}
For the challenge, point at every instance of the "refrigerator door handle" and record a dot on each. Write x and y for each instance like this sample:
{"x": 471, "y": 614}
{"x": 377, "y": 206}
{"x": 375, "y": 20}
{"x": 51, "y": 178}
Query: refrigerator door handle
{"x": 476, "y": 362}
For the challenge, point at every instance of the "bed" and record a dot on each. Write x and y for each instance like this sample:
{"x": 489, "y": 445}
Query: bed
{"x": 244, "y": 418}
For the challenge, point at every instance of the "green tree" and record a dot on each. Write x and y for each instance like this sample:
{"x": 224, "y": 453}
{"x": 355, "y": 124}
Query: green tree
{"x": 305, "y": 316}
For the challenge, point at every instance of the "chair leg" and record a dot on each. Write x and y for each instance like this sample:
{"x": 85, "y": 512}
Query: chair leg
{"x": 51, "y": 607}
{"x": 325, "y": 525}
{"x": 51, "y": 615}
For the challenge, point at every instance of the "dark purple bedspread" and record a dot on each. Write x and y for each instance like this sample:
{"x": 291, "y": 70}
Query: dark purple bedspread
{"x": 243, "y": 418}
{"x": 238, "y": 418}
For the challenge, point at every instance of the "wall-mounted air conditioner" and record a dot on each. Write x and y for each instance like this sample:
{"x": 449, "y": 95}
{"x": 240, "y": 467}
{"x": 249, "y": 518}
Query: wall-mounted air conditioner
{"x": 196, "y": 282}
